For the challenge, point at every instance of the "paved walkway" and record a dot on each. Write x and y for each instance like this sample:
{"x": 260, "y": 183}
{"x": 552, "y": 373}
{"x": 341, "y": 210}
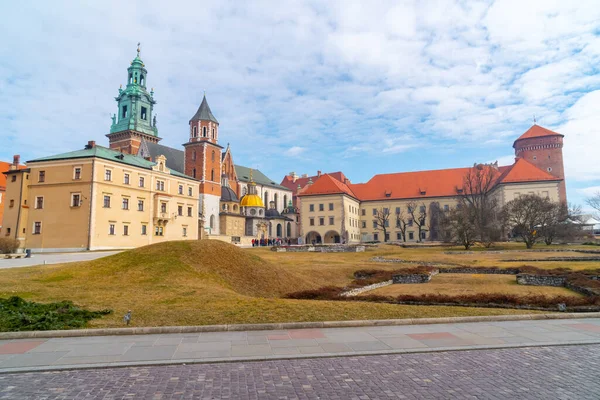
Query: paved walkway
{"x": 523, "y": 373}
{"x": 53, "y": 258}
{"x": 107, "y": 351}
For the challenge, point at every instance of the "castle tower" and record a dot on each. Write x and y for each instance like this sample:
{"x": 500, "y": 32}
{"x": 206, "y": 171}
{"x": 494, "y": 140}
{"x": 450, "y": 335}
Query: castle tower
{"x": 134, "y": 120}
{"x": 203, "y": 162}
{"x": 543, "y": 148}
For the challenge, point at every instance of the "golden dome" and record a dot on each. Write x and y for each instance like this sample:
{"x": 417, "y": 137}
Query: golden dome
{"x": 251, "y": 200}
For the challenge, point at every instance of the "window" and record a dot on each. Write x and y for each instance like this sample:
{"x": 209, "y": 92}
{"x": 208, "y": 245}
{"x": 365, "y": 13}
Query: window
{"x": 144, "y": 229}
{"x": 204, "y": 132}
{"x": 106, "y": 201}
{"x": 143, "y": 113}
{"x": 141, "y": 181}
{"x": 330, "y": 206}
{"x": 411, "y": 235}
{"x": 158, "y": 231}
{"x": 180, "y": 189}
{"x": 387, "y": 237}
{"x": 125, "y": 230}
{"x": 124, "y": 112}
{"x": 126, "y": 179}
{"x": 7, "y": 231}
{"x": 37, "y": 228}
{"x": 111, "y": 229}
{"x": 387, "y": 223}
{"x": 184, "y": 231}
{"x": 549, "y": 169}
{"x": 125, "y": 203}
{"x": 375, "y": 224}
{"x": 410, "y": 222}
{"x": 108, "y": 175}
{"x": 160, "y": 185}
{"x": 398, "y": 236}
{"x": 364, "y": 224}
{"x": 39, "y": 202}
{"x": 11, "y": 203}
{"x": 163, "y": 207}
{"x": 194, "y": 173}
{"x": 321, "y": 221}
{"x": 423, "y": 235}
{"x": 398, "y": 225}
{"x": 312, "y": 222}
{"x": 446, "y": 207}
{"x": 77, "y": 173}
{"x": 374, "y": 211}
{"x": 180, "y": 211}
{"x": 140, "y": 205}
{"x": 213, "y": 133}
{"x": 75, "y": 200}
{"x": 42, "y": 176}
{"x": 375, "y": 236}
{"x": 330, "y": 220}
{"x": 422, "y": 209}
{"x": 321, "y": 207}
{"x": 13, "y": 178}
{"x": 213, "y": 156}
{"x": 195, "y": 134}
{"x": 212, "y": 175}
{"x": 311, "y": 207}
{"x": 142, "y": 81}
{"x": 189, "y": 211}
{"x": 386, "y": 211}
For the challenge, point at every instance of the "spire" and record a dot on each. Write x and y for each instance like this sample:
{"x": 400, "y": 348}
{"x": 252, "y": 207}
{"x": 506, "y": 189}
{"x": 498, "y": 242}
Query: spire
{"x": 204, "y": 113}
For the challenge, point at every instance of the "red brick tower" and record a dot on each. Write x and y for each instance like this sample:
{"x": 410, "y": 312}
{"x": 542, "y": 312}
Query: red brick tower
{"x": 543, "y": 148}
{"x": 203, "y": 162}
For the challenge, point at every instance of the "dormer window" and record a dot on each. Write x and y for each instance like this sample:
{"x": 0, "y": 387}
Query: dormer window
{"x": 423, "y": 192}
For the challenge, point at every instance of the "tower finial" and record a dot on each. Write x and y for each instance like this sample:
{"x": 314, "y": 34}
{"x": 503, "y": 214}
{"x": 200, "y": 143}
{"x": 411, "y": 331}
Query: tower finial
{"x": 534, "y": 121}
{"x": 138, "y": 49}
{"x": 251, "y": 175}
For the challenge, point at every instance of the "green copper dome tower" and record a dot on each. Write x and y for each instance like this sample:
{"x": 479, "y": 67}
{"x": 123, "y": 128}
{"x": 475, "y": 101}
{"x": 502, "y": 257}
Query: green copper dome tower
{"x": 134, "y": 120}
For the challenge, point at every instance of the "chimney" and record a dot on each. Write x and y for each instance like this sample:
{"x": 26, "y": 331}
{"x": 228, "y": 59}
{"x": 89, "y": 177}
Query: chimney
{"x": 90, "y": 144}
{"x": 305, "y": 175}
{"x": 294, "y": 176}
{"x": 318, "y": 173}
{"x": 16, "y": 160}
{"x": 148, "y": 158}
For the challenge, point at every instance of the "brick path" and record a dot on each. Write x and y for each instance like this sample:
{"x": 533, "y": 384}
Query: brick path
{"x": 94, "y": 351}
{"x": 569, "y": 372}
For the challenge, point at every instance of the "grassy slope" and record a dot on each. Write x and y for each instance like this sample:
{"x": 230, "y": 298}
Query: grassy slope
{"x": 210, "y": 282}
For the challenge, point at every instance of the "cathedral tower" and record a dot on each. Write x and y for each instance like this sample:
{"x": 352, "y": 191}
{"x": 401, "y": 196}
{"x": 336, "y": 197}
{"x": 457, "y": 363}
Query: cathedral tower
{"x": 543, "y": 148}
{"x": 203, "y": 162}
{"x": 134, "y": 120}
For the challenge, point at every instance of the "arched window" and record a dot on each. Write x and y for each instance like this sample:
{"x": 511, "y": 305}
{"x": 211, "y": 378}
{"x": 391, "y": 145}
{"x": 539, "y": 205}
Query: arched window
{"x": 266, "y": 199}
{"x": 195, "y": 131}
{"x": 135, "y": 80}
{"x": 235, "y": 208}
{"x": 204, "y": 132}
{"x": 212, "y": 175}
{"x": 285, "y": 202}
{"x": 212, "y": 222}
{"x": 213, "y": 156}
{"x": 194, "y": 155}
{"x": 142, "y": 80}
{"x": 213, "y": 133}
{"x": 194, "y": 173}
{"x": 275, "y": 200}
{"x": 130, "y": 78}
{"x": 289, "y": 230}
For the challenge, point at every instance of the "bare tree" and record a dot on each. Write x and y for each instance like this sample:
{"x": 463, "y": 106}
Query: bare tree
{"x": 594, "y": 202}
{"x": 563, "y": 222}
{"x": 478, "y": 185}
{"x": 382, "y": 220}
{"x": 527, "y": 216}
{"x": 419, "y": 216}
{"x": 401, "y": 222}
{"x": 459, "y": 224}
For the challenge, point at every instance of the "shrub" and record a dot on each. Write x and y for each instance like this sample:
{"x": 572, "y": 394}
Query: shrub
{"x": 324, "y": 293}
{"x": 8, "y": 245}
{"x": 17, "y": 314}
{"x": 490, "y": 298}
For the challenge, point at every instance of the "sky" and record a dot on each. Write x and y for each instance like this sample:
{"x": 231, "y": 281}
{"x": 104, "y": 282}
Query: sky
{"x": 364, "y": 87}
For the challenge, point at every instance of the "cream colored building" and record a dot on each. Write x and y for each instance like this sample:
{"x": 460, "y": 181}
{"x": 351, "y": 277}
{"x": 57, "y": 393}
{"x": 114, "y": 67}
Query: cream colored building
{"x": 97, "y": 198}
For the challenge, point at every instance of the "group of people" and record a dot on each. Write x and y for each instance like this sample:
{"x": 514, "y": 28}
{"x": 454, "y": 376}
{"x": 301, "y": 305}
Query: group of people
{"x": 271, "y": 242}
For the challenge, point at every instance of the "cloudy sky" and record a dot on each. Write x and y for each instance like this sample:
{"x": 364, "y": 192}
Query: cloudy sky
{"x": 364, "y": 87}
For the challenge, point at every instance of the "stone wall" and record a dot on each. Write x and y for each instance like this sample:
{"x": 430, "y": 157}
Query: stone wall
{"x": 413, "y": 278}
{"x": 357, "y": 291}
{"x": 541, "y": 280}
{"x": 487, "y": 271}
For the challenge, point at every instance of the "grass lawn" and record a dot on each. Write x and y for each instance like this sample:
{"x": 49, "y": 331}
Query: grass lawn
{"x": 210, "y": 282}
{"x": 461, "y": 284}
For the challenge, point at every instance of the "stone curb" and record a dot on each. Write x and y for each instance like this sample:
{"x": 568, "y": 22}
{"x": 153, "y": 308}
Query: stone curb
{"x": 287, "y": 325}
{"x": 158, "y": 363}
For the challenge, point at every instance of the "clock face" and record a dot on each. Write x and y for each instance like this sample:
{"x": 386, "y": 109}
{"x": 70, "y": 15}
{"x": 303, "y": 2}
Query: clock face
{"x": 253, "y": 212}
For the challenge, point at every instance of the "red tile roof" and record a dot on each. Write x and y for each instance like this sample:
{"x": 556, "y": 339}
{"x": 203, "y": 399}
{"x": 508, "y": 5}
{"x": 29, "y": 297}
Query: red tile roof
{"x": 523, "y": 171}
{"x": 423, "y": 184}
{"x": 326, "y": 184}
{"x": 288, "y": 180}
{"x": 538, "y": 131}
{"x": 4, "y": 166}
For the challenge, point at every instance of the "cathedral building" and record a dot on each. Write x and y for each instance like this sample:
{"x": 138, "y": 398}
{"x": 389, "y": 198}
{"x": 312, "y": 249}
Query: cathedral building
{"x": 138, "y": 191}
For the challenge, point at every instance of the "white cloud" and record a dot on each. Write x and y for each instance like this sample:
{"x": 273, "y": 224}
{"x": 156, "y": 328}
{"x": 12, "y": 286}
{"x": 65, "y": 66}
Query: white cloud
{"x": 294, "y": 151}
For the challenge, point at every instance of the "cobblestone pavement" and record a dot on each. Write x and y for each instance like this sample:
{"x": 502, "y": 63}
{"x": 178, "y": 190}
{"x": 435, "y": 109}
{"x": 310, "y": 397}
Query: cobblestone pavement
{"x": 568, "y": 372}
